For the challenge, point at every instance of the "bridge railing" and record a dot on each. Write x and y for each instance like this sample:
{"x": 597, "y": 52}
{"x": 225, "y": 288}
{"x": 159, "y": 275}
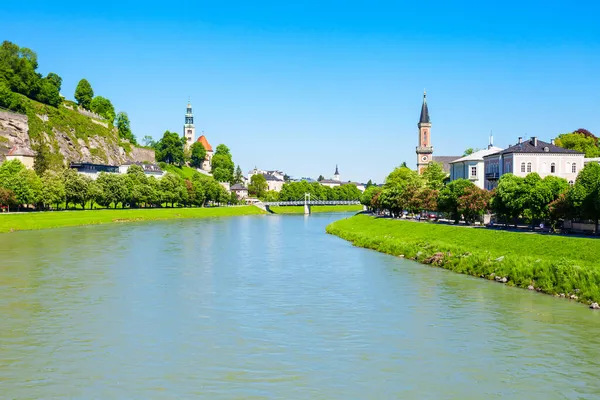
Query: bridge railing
{"x": 312, "y": 203}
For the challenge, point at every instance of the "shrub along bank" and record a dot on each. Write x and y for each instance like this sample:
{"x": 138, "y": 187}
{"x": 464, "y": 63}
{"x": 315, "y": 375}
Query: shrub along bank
{"x": 316, "y": 209}
{"x": 550, "y": 264}
{"x": 35, "y": 221}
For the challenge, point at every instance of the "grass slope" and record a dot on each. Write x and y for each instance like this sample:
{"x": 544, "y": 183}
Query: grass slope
{"x": 552, "y": 264}
{"x": 185, "y": 172}
{"x": 45, "y": 220}
{"x": 316, "y": 209}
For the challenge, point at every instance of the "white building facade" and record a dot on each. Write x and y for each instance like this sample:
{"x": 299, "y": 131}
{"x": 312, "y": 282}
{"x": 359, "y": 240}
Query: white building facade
{"x": 471, "y": 167}
{"x": 530, "y": 156}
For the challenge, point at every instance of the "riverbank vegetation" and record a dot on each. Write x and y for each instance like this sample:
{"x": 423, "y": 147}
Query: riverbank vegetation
{"x": 558, "y": 265}
{"x": 21, "y": 188}
{"x": 295, "y": 191}
{"x": 35, "y": 221}
{"x": 316, "y": 209}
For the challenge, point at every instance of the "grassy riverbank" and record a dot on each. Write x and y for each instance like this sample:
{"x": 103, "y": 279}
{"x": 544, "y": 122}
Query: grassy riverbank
{"x": 316, "y": 209}
{"x": 551, "y": 264}
{"x": 58, "y": 219}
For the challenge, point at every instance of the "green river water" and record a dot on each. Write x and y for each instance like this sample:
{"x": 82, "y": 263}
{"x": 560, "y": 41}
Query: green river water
{"x": 271, "y": 307}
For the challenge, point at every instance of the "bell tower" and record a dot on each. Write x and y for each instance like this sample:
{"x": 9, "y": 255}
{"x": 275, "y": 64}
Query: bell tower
{"x": 424, "y": 149}
{"x": 189, "y": 130}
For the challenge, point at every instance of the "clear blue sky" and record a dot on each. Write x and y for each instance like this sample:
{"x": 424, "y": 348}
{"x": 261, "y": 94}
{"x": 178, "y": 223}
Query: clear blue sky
{"x": 303, "y": 85}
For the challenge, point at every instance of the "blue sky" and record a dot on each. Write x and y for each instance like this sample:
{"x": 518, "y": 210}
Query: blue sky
{"x": 301, "y": 86}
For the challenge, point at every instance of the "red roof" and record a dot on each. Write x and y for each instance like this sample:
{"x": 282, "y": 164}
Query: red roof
{"x": 207, "y": 146}
{"x": 21, "y": 151}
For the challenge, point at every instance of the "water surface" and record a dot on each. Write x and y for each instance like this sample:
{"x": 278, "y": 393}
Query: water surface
{"x": 271, "y": 307}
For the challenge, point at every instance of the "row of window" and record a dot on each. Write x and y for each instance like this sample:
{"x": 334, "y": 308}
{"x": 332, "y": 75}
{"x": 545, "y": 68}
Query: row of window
{"x": 527, "y": 167}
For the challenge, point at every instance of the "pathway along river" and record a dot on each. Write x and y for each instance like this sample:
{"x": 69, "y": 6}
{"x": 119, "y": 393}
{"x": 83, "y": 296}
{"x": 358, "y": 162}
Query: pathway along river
{"x": 271, "y": 307}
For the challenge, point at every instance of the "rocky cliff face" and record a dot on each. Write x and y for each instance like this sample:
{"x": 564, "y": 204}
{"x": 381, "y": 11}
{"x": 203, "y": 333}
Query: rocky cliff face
{"x": 76, "y": 138}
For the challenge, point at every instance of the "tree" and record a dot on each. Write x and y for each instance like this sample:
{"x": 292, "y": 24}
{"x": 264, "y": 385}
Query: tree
{"x": 448, "y": 200}
{"x": 222, "y": 164}
{"x": 239, "y": 176}
{"x": 469, "y": 151}
{"x": 124, "y": 127}
{"x": 198, "y": 155}
{"x": 508, "y": 201}
{"x": 473, "y": 203}
{"x": 115, "y": 189}
{"x": 369, "y": 184}
{"x": 7, "y": 198}
{"x": 55, "y": 80}
{"x": 41, "y": 161}
{"x": 403, "y": 165}
{"x": 53, "y": 189}
{"x": 585, "y": 194}
{"x": 434, "y": 175}
{"x": 169, "y": 149}
{"x": 148, "y": 141}
{"x": 320, "y": 178}
{"x": 84, "y": 94}
{"x": 258, "y": 186}
{"x": 76, "y": 187}
{"x": 367, "y": 196}
{"x": 103, "y": 107}
{"x": 172, "y": 188}
{"x": 16, "y": 178}
{"x": 581, "y": 140}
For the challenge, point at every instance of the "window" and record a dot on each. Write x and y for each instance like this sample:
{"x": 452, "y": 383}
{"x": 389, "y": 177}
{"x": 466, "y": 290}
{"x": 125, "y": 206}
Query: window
{"x": 522, "y": 167}
{"x": 574, "y": 168}
{"x": 528, "y": 167}
{"x": 473, "y": 171}
{"x": 552, "y": 168}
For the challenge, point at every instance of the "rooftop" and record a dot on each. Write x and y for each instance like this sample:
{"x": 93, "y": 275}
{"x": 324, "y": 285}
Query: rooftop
{"x": 534, "y": 145}
{"x": 238, "y": 186}
{"x": 207, "y": 146}
{"x": 424, "y": 119}
{"x": 478, "y": 155}
{"x": 445, "y": 160}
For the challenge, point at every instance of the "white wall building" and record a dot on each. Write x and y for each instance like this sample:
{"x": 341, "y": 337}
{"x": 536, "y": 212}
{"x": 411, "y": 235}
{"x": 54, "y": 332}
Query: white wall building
{"x": 530, "y": 156}
{"x": 149, "y": 169}
{"x": 23, "y": 154}
{"x": 471, "y": 167}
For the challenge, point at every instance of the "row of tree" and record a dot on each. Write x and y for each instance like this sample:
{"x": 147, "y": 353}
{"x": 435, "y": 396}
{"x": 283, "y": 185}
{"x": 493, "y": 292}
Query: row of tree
{"x": 54, "y": 189}
{"x": 530, "y": 199}
{"x": 295, "y": 191}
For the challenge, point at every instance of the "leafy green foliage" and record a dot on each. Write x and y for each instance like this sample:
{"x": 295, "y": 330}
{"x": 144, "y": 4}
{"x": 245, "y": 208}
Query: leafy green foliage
{"x": 169, "y": 149}
{"x": 222, "y": 164}
{"x": 53, "y": 189}
{"x": 84, "y": 94}
{"x": 103, "y": 107}
{"x": 198, "y": 155}
{"x": 581, "y": 140}
{"x": 124, "y": 127}
{"x": 258, "y": 186}
{"x": 18, "y": 74}
{"x": 239, "y": 176}
{"x": 434, "y": 175}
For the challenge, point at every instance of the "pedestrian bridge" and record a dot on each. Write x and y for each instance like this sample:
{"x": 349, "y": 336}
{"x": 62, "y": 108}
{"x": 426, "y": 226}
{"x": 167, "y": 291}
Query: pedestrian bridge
{"x": 306, "y": 203}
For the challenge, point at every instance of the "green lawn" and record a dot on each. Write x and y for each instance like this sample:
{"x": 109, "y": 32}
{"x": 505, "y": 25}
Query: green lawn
{"x": 57, "y": 219}
{"x": 185, "y": 172}
{"x": 316, "y": 209}
{"x": 552, "y": 264}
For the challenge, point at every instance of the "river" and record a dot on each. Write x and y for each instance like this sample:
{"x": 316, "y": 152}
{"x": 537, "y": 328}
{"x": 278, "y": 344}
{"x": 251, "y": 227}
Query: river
{"x": 269, "y": 307}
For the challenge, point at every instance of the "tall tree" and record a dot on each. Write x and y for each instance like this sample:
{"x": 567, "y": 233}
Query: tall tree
{"x": 239, "y": 176}
{"x": 55, "y": 80}
{"x": 169, "y": 148}
{"x": 198, "y": 155}
{"x": 84, "y": 94}
{"x": 148, "y": 141}
{"x": 434, "y": 175}
{"x": 585, "y": 194}
{"x": 222, "y": 164}
{"x": 581, "y": 141}
{"x": 258, "y": 186}
{"x": 53, "y": 189}
{"x": 124, "y": 127}
{"x": 448, "y": 200}
{"x": 103, "y": 107}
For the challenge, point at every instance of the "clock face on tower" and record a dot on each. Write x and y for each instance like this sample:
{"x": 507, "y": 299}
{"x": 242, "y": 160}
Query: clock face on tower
{"x": 424, "y": 158}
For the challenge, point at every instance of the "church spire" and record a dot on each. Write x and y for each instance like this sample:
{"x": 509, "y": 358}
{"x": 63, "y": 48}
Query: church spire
{"x": 336, "y": 170}
{"x": 424, "y": 110}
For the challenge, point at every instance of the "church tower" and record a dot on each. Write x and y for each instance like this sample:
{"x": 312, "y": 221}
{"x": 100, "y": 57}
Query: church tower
{"x": 424, "y": 149}
{"x": 189, "y": 131}
{"x": 336, "y": 176}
